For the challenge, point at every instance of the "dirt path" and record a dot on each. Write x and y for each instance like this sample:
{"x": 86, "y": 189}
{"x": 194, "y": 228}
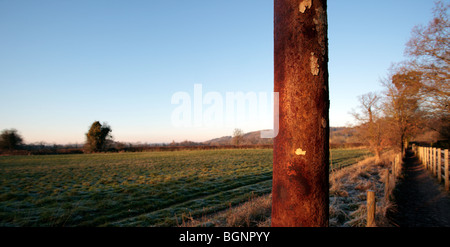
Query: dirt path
{"x": 421, "y": 201}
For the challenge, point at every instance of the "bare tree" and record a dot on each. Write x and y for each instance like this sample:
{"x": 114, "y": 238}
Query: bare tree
{"x": 429, "y": 50}
{"x": 369, "y": 118}
{"x": 402, "y": 106}
{"x": 237, "y": 137}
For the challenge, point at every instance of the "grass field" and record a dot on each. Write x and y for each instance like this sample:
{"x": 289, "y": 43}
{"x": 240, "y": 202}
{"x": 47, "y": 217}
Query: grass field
{"x": 345, "y": 157}
{"x": 134, "y": 189}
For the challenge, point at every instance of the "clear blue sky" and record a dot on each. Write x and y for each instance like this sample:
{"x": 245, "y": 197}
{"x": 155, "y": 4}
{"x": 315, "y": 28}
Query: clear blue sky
{"x": 65, "y": 64}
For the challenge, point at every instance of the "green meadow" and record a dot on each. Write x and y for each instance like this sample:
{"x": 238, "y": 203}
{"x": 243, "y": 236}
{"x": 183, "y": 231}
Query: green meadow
{"x": 134, "y": 189}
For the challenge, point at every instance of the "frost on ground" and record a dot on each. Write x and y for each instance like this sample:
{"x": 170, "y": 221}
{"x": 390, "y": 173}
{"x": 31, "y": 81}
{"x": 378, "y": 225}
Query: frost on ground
{"x": 348, "y": 192}
{"x": 253, "y": 213}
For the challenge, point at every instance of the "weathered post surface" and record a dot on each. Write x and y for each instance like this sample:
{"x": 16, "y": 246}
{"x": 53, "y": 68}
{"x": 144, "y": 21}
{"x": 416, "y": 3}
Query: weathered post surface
{"x": 301, "y": 149}
{"x": 371, "y": 208}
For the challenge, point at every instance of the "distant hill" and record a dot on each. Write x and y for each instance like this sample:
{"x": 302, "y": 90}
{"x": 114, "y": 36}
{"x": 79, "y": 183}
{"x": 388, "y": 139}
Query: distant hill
{"x": 250, "y": 138}
{"x": 224, "y": 140}
{"x": 338, "y": 135}
{"x": 343, "y": 135}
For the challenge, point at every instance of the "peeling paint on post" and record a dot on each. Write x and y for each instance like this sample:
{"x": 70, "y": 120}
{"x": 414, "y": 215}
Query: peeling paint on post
{"x": 301, "y": 149}
{"x": 300, "y": 152}
{"x": 304, "y": 5}
{"x": 314, "y": 65}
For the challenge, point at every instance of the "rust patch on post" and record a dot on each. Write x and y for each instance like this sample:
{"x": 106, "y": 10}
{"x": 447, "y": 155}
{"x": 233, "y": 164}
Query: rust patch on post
{"x": 314, "y": 65}
{"x": 301, "y": 149}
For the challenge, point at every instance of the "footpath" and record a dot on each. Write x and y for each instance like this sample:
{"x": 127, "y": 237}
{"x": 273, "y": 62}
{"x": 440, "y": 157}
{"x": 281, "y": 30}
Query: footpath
{"x": 420, "y": 200}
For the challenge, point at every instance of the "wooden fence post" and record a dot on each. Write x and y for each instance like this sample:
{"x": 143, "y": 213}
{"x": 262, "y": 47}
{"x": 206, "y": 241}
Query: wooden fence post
{"x": 421, "y": 154}
{"x": 430, "y": 160}
{"x": 439, "y": 166}
{"x": 434, "y": 161}
{"x": 387, "y": 185}
{"x": 393, "y": 167}
{"x": 396, "y": 166}
{"x": 447, "y": 184}
{"x": 371, "y": 208}
{"x": 424, "y": 158}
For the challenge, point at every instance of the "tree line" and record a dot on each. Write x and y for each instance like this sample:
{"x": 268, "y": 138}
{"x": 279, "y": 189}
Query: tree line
{"x": 416, "y": 96}
{"x": 99, "y": 139}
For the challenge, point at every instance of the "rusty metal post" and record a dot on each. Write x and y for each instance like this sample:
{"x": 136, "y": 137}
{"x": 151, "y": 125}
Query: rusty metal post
{"x": 301, "y": 149}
